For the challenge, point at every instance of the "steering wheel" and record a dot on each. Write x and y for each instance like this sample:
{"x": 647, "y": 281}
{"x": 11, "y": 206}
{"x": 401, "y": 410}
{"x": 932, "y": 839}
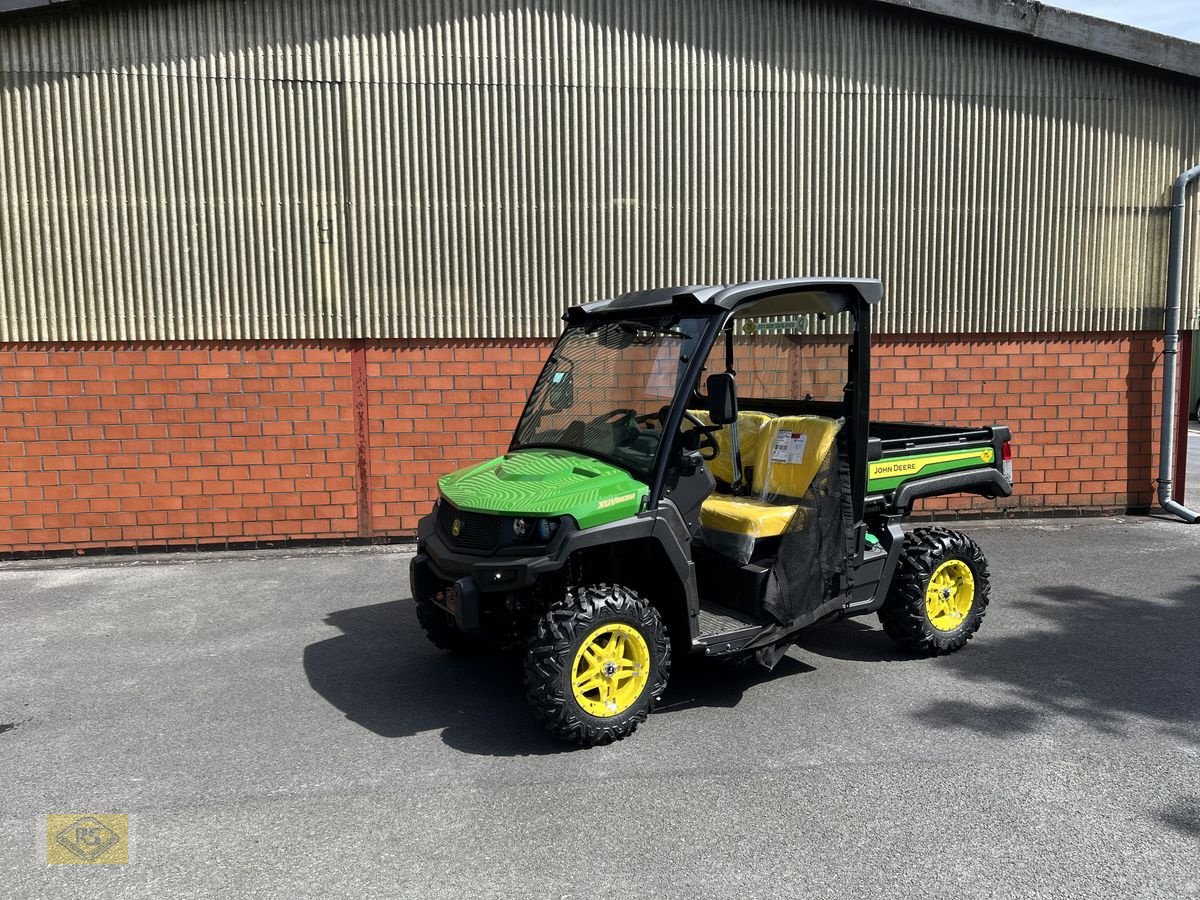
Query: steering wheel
{"x": 707, "y": 441}
{"x": 610, "y": 417}
{"x": 654, "y": 420}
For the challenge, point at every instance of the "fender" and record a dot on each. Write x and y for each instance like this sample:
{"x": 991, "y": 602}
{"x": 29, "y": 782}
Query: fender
{"x": 666, "y": 527}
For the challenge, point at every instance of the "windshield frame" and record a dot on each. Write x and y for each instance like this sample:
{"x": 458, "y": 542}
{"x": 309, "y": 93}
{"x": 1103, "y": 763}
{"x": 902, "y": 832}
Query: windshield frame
{"x": 682, "y": 391}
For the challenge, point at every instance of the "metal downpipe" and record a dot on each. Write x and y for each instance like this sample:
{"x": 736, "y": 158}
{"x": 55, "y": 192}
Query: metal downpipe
{"x": 1166, "y": 455}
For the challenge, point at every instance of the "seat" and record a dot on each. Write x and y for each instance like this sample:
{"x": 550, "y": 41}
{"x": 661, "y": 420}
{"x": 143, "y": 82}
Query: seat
{"x": 789, "y": 454}
{"x": 748, "y": 516}
{"x": 793, "y": 448}
{"x": 750, "y": 431}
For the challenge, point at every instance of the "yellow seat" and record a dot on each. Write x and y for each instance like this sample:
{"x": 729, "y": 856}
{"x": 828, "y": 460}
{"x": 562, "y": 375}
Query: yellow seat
{"x": 789, "y": 453}
{"x": 793, "y": 448}
{"x": 750, "y": 431}
{"x": 746, "y": 516}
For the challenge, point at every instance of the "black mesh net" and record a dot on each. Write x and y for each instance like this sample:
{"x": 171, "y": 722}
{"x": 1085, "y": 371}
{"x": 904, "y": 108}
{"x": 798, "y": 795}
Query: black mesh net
{"x": 813, "y": 550}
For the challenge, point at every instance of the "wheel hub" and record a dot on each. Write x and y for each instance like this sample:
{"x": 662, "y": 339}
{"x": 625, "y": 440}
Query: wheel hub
{"x": 611, "y": 670}
{"x": 950, "y": 595}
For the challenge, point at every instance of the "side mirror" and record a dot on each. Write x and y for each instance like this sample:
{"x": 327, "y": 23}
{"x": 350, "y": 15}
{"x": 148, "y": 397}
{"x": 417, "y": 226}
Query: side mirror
{"x": 722, "y": 399}
{"x": 562, "y": 391}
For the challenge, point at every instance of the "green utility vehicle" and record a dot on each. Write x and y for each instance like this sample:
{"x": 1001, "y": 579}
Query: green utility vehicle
{"x": 696, "y": 471}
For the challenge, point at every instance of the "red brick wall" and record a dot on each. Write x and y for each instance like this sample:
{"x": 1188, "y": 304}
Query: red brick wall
{"x": 225, "y": 444}
{"x": 435, "y": 407}
{"x": 159, "y": 445}
{"x": 1084, "y": 411}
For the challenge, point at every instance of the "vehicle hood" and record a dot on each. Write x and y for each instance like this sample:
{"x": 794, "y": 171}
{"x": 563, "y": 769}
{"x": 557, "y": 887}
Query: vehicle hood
{"x": 537, "y": 482}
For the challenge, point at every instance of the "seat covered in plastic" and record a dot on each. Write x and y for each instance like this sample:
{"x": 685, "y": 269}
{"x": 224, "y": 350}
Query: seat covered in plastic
{"x": 750, "y": 430}
{"x": 793, "y": 448}
{"x": 747, "y": 516}
{"x": 788, "y": 456}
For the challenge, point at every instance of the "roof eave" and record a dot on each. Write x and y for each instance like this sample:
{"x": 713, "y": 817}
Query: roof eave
{"x": 1068, "y": 28}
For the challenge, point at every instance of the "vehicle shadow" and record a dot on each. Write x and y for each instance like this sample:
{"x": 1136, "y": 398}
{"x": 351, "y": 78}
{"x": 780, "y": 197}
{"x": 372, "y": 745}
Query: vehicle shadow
{"x": 853, "y": 640}
{"x": 1101, "y": 659}
{"x": 1184, "y": 817}
{"x": 384, "y": 675}
{"x": 697, "y": 682}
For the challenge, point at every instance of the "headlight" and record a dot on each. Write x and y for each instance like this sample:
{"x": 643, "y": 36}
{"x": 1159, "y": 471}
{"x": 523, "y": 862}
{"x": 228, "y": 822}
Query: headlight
{"x": 529, "y": 530}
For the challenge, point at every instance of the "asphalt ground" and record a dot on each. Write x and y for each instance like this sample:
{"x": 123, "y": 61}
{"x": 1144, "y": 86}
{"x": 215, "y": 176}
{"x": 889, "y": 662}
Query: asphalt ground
{"x": 1192, "y": 483}
{"x": 276, "y": 725}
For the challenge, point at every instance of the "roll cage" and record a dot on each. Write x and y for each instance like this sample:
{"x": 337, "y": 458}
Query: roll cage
{"x": 777, "y": 297}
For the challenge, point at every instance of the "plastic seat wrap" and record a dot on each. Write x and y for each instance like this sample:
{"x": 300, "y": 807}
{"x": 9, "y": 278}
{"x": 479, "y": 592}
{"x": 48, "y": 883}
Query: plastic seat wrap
{"x": 751, "y": 428}
{"x": 790, "y": 454}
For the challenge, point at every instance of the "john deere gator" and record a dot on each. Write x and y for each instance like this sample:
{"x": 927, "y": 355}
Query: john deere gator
{"x": 696, "y": 471}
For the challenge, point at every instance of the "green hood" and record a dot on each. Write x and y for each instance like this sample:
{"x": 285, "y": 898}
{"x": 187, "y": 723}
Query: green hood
{"x": 546, "y": 483}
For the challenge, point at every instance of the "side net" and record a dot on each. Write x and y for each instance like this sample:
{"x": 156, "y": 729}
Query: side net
{"x": 793, "y": 511}
{"x": 811, "y": 557}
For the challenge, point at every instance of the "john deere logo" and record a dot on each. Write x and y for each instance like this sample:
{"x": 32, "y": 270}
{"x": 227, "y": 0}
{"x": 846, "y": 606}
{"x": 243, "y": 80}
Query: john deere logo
{"x": 988, "y": 456}
{"x": 87, "y": 839}
{"x": 456, "y": 527}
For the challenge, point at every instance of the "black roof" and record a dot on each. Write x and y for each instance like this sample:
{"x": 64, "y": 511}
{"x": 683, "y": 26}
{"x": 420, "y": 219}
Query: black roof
{"x": 775, "y": 297}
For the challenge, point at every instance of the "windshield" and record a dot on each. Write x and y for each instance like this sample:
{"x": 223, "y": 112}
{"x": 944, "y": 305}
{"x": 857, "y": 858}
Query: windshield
{"x": 607, "y": 389}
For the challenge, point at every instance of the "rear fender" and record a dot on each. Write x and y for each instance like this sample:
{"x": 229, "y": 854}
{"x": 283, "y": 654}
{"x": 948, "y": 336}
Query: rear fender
{"x": 988, "y": 483}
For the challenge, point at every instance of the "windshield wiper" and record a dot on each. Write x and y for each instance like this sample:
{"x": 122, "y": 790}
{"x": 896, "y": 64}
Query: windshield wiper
{"x": 630, "y": 326}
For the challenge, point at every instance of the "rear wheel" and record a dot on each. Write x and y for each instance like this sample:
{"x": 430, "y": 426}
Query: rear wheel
{"x": 597, "y": 662}
{"x": 940, "y": 592}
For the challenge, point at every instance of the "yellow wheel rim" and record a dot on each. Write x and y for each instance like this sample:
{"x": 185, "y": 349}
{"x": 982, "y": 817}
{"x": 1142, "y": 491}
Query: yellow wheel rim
{"x": 610, "y": 670}
{"x": 950, "y": 595}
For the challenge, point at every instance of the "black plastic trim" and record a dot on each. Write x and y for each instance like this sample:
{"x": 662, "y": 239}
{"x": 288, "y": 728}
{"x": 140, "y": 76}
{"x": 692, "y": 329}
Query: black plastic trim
{"x": 892, "y": 540}
{"x": 987, "y": 482}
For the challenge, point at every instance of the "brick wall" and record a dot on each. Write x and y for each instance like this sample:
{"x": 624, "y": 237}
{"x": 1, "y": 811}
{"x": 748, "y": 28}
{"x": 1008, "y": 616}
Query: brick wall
{"x": 1084, "y": 411}
{"x": 227, "y": 444}
{"x": 109, "y": 447}
{"x": 435, "y": 407}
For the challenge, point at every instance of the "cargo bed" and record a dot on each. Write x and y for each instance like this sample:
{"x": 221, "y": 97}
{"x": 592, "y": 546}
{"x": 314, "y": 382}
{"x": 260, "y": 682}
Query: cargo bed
{"x": 908, "y": 461}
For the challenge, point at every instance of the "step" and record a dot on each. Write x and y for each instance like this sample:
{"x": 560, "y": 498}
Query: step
{"x": 717, "y": 619}
{"x": 724, "y": 630}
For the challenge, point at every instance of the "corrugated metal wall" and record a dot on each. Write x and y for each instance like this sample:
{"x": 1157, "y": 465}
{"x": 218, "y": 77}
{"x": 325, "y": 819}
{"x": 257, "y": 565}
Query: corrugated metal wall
{"x": 449, "y": 169}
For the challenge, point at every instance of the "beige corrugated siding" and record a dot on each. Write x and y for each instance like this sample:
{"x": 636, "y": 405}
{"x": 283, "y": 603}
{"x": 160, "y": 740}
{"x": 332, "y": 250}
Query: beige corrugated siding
{"x": 467, "y": 169}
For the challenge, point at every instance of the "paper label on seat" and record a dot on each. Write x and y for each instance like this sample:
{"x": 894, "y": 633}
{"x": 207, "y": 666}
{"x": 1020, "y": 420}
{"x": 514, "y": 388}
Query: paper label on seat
{"x": 789, "y": 447}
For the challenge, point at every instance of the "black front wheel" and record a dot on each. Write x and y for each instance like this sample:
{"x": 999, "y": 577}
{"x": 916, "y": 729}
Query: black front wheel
{"x": 940, "y": 592}
{"x": 599, "y": 659}
{"x": 439, "y": 627}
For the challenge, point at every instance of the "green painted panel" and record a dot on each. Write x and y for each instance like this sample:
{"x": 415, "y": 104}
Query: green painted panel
{"x": 546, "y": 483}
{"x": 888, "y": 474}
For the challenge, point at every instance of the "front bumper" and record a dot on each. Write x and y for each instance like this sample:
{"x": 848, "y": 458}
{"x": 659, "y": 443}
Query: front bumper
{"x": 460, "y": 599}
{"x": 461, "y": 582}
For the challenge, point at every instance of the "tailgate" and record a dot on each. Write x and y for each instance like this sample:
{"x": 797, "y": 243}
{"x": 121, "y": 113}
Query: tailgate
{"x": 940, "y": 463}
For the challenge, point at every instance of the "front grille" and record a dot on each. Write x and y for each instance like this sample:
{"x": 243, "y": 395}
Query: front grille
{"x": 476, "y": 531}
